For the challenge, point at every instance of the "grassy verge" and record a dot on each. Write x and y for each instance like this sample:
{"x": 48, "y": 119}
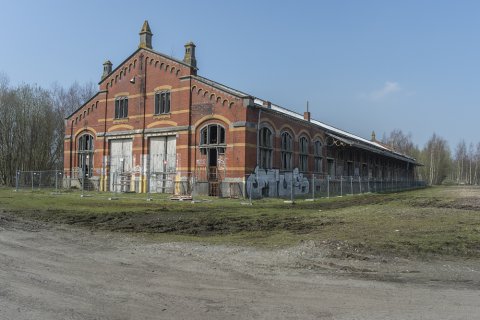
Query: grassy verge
{"x": 434, "y": 221}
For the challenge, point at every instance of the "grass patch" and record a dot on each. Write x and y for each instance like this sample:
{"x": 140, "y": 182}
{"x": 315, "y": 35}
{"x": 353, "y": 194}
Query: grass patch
{"x": 433, "y": 221}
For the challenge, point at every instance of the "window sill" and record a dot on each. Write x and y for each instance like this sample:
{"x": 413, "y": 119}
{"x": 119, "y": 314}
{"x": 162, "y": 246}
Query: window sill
{"x": 162, "y": 116}
{"x": 120, "y": 120}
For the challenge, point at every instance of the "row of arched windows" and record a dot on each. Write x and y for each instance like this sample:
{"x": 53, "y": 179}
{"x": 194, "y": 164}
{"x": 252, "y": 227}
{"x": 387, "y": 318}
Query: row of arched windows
{"x": 265, "y": 146}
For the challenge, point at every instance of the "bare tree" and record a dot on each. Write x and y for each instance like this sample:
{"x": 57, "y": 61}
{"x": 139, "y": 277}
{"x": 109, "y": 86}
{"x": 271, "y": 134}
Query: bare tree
{"x": 32, "y": 126}
{"x": 436, "y": 159}
{"x": 400, "y": 142}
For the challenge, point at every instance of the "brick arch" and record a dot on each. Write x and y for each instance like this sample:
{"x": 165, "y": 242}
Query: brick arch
{"x": 120, "y": 126}
{"x": 162, "y": 122}
{"x": 288, "y": 128}
{"x": 194, "y": 87}
{"x": 271, "y": 124}
{"x": 204, "y": 119}
{"x": 318, "y": 137}
{"x": 85, "y": 130}
{"x": 305, "y": 133}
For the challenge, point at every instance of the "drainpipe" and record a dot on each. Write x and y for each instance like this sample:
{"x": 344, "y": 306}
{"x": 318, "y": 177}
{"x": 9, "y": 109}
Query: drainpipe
{"x": 189, "y": 157}
{"x": 258, "y": 136}
{"x": 144, "y": 93}
{"x": 104, "y": 163}
{"x": 71, "y": 149}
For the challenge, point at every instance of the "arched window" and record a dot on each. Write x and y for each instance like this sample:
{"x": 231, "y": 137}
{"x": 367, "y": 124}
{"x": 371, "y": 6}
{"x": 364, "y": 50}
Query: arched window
{"x": 286, "y": 150}
{"x": 265, "y": 147}
{"x": 318, "y": 156}
{"x": 212, "y": 136}
{"x": 303, "y": 154}
{"x": 85, "y": 154}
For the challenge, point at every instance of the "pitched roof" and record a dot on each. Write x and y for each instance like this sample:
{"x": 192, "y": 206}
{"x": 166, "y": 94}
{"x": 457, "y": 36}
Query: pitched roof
{"x": 339, "y": 134}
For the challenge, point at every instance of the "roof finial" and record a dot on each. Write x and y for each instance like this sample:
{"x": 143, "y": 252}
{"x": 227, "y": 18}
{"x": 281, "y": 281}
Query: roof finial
{"x": 145, "y": 36}
{"x": 373, "y": 136}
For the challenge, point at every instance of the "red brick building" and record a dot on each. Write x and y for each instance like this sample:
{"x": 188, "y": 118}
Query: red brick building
{"x": 155, "y": 122}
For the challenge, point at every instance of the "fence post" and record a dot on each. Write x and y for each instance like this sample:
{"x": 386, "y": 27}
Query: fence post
{"x": 341, "y": 186}
{"x": 313, "y": 187}
{"x": 17, "y": 177}
{"x": 39, "y": 180}
{"x": 147, "y": 183}
{"x": 56, "y": 181}
{"x": 250, "y": 193}
{"x": 328, "y": 186}
{"x": 32, "y": 179}
{"x": 351, "y": 184}
{"x": 291, "y": 188}
{"x": 360, "y": 184}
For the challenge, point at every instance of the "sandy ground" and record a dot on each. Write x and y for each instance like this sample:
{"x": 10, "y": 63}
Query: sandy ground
{"x": 52, "y": 272}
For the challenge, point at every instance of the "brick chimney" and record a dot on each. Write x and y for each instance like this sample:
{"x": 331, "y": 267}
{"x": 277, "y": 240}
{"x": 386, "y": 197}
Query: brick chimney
{"x": 306, "y": 115}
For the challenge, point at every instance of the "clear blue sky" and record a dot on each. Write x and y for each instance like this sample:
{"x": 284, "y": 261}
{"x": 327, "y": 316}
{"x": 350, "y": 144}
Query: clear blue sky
{"x": 362, "y": 65}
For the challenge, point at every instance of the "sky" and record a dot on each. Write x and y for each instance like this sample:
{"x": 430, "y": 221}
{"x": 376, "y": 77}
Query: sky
{"x": 362, "y": 65}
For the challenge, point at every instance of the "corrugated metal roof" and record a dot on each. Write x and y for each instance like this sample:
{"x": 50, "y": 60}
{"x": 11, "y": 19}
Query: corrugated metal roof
{"x": 357, "y": 141}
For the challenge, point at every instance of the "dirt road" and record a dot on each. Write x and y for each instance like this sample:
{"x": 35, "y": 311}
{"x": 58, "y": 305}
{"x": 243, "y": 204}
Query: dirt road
{"x": 51, "y": 272}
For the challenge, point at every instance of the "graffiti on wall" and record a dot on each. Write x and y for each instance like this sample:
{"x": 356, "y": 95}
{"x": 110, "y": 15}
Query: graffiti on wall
{"x": 273, "y": 183}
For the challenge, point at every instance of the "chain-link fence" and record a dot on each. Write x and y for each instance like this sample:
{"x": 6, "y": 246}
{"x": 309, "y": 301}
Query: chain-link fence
{"x": 295, "y": 185}
{"x": 34, "y": 180}
{"x": 290, "y": 185}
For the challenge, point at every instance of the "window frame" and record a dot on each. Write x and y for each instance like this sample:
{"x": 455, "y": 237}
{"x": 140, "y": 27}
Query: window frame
{"x": 286, "y": 147}
{"x": 303, "y": 154}
{"x": 318, "y": 155}
{"x": 162, "y": 104}
{"x": 86, "y": 150}
{"x": 205, "y": 134}
{"x": 121, "y": 108}
{"x": 265, "y": 148}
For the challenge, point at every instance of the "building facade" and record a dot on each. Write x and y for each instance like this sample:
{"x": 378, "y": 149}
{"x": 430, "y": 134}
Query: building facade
{"x": 155, "y": 125}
